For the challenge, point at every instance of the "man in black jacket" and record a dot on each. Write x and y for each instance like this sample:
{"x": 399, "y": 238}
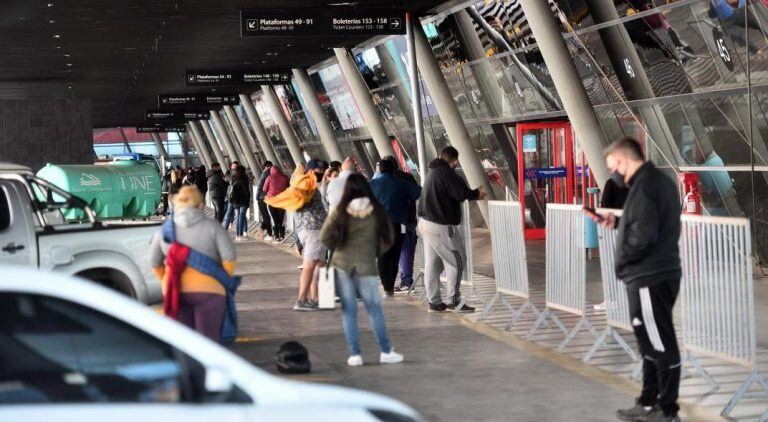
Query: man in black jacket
{"x": 264, "y": 218}
{"x": 440, "y": 211}
{"x": 217, "y": 187}
{"x": 648, "y": 261}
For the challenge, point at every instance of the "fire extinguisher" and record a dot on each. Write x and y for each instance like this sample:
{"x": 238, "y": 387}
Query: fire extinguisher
{"x": 689, "y": 192}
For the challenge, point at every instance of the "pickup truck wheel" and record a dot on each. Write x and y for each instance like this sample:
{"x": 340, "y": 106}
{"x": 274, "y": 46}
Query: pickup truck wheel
{"x": 111, "y": 279}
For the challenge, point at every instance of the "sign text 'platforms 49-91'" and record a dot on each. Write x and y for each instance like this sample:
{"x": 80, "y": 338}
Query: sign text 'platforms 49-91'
{"x": 197, "y": 100}
{"x": 316, "y": 22}
{"x": 160, "y": 128}
{"x": 247, "y": 77}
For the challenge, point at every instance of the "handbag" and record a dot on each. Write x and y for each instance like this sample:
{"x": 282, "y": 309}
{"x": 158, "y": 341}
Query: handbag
{"x": 326, "y": 286}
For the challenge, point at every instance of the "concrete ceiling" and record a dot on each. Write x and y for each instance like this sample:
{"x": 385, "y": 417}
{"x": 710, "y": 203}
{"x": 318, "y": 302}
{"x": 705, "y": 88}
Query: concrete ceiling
{"x": 121, "y": 54}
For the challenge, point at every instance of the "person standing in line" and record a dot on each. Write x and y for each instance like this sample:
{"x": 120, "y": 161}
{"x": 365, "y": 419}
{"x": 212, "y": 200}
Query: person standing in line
{"x": 274, "y": 185}
{"x": 613, "y": 195}
{"x": 410, "y": 238}
{"x": 328, "y": 177}
{"x": 358, "y": 231}
{"x": 335, "y": 187}
{"x": 166, "y": 187}
{"x": 201, "y": 298}
{"x": 240, "y": 200}
{"x": 648, "y": 262}
{"x": 201, "y": 181}
{"x": 394, "y": 195}
{"x": 264, "y": 217}
{"x": 217, "y": 187}
{"x": 440, "y": 211}
{"x": 230, "y": 212}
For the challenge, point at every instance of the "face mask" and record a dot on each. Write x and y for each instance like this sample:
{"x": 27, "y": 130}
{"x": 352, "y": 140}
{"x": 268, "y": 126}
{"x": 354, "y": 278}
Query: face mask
{"x": 618, "y": 179}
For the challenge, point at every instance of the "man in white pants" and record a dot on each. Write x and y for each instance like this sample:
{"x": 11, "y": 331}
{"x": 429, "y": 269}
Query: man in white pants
{"x": 440, "y": 211}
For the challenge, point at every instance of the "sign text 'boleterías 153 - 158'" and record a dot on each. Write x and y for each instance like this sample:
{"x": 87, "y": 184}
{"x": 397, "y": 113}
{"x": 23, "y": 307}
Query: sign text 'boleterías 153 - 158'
{"x": 197, "y": 100}
{"x": 321, "y": 22}
{"x": 158, "y": 128}
{"x": 176, "y": 115}
{"x": 237, "y": 77}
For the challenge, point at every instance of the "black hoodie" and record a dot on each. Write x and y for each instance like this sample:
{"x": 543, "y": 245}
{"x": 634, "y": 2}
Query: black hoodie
{"x": 443, "y": 192}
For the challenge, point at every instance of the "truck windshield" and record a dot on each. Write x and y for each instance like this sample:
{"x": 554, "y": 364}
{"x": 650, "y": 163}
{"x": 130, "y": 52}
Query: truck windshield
{"x": 57, "y": 206}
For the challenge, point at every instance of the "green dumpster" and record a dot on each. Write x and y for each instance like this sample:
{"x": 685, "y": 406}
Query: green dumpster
{"x": 120, "y": 189}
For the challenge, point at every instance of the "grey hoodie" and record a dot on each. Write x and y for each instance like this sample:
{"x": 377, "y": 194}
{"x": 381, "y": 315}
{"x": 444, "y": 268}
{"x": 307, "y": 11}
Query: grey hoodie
{"x": 200, "y": 233}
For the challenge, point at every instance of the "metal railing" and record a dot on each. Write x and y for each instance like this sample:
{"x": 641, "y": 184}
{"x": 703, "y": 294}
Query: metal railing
{"x": 566, "y": 272}
{"x": 614, "y": 293}
{"x": 718, "y": 309}
{"x": 509, "y": 259}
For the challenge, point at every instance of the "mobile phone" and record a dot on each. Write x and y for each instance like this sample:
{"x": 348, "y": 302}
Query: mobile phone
{"x": 593, "y": 212}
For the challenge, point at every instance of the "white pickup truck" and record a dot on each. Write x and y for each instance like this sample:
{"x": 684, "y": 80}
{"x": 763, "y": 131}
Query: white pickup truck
{"x": 34, "y": 233}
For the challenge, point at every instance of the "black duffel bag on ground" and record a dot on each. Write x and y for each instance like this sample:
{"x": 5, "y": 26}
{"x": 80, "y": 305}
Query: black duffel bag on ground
{"x": 293, "y": 358}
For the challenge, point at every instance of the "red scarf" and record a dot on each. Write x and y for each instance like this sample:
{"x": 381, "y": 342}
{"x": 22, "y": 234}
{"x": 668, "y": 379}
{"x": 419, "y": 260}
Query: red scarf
{"x": 175, "y": 262}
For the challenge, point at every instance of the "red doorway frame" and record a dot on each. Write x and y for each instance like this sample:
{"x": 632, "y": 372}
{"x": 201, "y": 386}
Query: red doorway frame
{"x": 540, "y": 233}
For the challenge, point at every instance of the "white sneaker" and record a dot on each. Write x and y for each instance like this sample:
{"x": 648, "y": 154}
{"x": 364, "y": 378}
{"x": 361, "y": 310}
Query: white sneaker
{"x": 355, "y": 360}
{"x": 267, "y": 238}
{"x": 301, "y": 267}
{"x": 238, "y": 238}
{"x": 601, "y": 306}
{"x": 391, "y": 357}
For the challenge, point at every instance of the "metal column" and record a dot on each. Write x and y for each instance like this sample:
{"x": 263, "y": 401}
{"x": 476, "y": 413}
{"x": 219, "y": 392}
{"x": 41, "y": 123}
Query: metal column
{"x": 418, "y": 121}
{"x": 250, "y": 157}
{"x": 125, "y": 140}
{"x": 258, "y": 128}
{"x": 184, "y": 156}
{"x": 224, "y": 135}
{"x": 204, "y": 145}
{"x": 220, "y": 156}
{"x": 160, "y": 147}
{"x": 362, "y": 96}
{"x": 325, "y": 133}
{"x": 202, "y": 150}
{"x": 568, "y": 84}
{"x": 285, "y": 126}
{"x": 451, "y": 117}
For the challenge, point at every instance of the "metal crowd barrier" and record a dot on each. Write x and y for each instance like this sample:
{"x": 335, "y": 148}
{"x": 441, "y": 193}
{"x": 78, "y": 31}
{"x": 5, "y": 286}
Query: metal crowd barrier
{"x": 291, "y": 237}
{"x": 566, "y": 272}
{"x": 509, "y": 259}
{"x": 614, "y": 292}
{"x": 718, "y": 309}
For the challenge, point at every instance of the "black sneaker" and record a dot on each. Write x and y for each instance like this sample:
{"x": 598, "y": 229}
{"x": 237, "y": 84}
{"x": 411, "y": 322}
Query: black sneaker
{"x": 389, "y": 293}
{"x": 463, "y": 310}
{"x": 638, "y": 412}
{"x": 440, "y": 307}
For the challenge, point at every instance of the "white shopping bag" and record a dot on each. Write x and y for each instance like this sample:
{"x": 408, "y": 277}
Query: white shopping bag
{"x": 326, "y": 288}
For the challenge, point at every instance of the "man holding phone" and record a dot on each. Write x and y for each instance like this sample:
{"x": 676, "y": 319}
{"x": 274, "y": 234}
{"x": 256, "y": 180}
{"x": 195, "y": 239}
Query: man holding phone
{"x": 648, "y": 261}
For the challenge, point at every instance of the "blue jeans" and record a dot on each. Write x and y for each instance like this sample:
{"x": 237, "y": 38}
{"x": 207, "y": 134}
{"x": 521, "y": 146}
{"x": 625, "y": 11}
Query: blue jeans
{"x": 407, "y": 253}
{"x": 229, "y": 215}
{"x": 242, "y": 222}
{"x": 348, "y": 287}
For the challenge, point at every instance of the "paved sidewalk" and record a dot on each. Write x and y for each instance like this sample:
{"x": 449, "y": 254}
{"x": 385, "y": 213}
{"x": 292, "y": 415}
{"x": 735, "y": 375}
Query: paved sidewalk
{"x": 452, "y": 372}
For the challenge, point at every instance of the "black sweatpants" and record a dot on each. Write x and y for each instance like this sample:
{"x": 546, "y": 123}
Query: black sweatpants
{"x": 650, "y": 310}
{"x": 278, "y": 222}
{"x": 266, "y": 219}
{"x": 389, "y": 263}
{"x": 219, "y": 208}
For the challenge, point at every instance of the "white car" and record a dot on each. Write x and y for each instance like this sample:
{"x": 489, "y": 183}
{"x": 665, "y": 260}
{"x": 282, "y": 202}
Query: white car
{"x": 71, "y": 350}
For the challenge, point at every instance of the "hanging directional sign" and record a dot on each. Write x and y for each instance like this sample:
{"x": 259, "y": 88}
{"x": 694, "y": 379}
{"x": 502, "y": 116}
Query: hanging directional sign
{"x": 177, "y": 115}
{"x": 197, "y": 100}
{"x": 321, "y": 22}
{"x": 545, "y": 173}
{"x": 237, "y": 77}
{"x": 160, "y": 128}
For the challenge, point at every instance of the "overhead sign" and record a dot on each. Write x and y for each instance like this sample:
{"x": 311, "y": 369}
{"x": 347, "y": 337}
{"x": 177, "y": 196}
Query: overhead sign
{"x": 159, "y": 128}
{"x": 178, "y": 115}
{"x": 237, "y": 77}
{"x": 545, "y": 173}
{"x": 529, "y": 143}
{"x": 314, "y": 22}
{"x": 197, "y": 100}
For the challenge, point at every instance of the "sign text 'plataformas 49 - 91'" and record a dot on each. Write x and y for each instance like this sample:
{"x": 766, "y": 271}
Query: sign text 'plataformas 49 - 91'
{"x": 322, "y": 22}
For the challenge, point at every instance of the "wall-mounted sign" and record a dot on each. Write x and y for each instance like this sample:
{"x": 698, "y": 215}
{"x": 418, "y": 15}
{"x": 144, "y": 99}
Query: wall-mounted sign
{"x": 197, "y": 100}
{"x": 158, "y": 128}
{"x": 529, "y": 143}
{"x": 316, "y": 22}
{"x": 237, "y": 77}
{"x": 545, "y": 173}
{"x": 177, "y": 115}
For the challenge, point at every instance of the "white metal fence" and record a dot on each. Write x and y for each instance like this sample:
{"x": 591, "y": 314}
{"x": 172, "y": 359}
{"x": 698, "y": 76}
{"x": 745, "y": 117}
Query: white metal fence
{"x": 718, "y": 309}
{"x": 614, "y": 293}
{"x": 566, "y": 272}
{"x": 509, "y": 258}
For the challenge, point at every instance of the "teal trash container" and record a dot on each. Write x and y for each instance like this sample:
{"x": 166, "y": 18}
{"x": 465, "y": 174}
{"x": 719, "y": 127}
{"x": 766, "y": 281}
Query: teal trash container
{"x": 590, "y": 227}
